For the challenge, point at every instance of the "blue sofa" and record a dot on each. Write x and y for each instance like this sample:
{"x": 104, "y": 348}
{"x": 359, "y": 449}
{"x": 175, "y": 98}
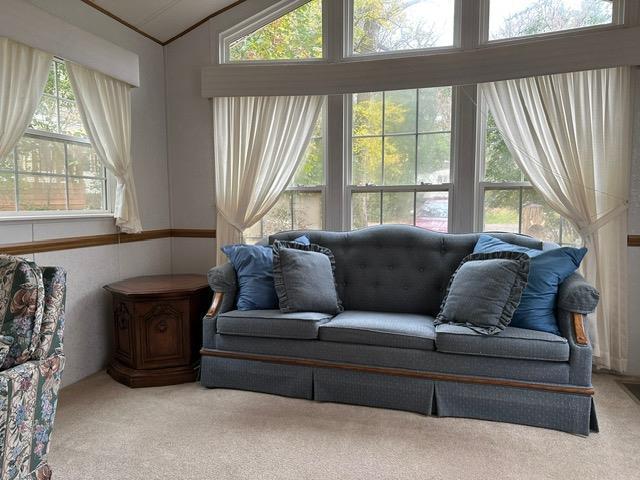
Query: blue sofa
{"x": 384, "y": 351}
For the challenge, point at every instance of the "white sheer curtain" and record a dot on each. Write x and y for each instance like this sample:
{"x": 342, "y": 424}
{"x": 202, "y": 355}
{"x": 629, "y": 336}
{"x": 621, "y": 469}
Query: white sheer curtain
{"x": 23, "y": 73}
{"x": 258, "y": 144}
{"x": 571, "y": 134}
{"x": 105, "y": 107}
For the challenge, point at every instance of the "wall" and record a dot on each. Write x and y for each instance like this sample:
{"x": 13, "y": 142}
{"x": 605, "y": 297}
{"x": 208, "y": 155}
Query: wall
{"x": 88, "y": 322}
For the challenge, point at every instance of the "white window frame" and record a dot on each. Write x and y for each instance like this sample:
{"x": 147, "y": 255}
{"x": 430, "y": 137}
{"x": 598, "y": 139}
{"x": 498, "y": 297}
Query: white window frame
{"x": 617, "y": 20}
{"x": 350, "y": 188}
{"x": 466, "y": 187}
{"x": 107, "y": 179}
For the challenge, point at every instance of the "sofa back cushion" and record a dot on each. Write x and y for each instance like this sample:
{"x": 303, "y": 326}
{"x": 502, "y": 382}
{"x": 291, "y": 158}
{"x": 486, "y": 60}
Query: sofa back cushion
{"x": 396, "y": 268}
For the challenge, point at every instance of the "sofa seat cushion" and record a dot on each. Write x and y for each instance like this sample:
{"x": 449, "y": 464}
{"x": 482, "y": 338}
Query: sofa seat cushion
{"x": 512, "y": 342}
{"x": 271, "y": 323}
{"x": 401, "y": 330}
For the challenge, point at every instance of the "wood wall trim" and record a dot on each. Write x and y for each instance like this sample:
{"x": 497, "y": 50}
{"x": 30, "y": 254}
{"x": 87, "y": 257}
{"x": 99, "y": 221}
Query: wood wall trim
{"x": 52, "y": 245}
{"x": 193, "y": 233}
{"x": 400, "y": 372}
{"x": 151, "y": 37}
{"x": 633, "y": 240}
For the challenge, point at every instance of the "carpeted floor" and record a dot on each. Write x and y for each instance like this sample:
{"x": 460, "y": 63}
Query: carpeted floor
{"x": 104, "y": 430}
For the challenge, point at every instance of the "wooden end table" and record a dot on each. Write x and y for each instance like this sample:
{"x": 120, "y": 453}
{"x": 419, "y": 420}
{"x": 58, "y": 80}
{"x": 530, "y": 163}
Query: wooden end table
{"x": 158, "y": 328}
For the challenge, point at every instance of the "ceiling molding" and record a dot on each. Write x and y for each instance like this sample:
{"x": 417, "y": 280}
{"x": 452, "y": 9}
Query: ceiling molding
{"x": 151, "y": 37}
{"x": 206, "y": 19}
{"x": 122, "y": 21}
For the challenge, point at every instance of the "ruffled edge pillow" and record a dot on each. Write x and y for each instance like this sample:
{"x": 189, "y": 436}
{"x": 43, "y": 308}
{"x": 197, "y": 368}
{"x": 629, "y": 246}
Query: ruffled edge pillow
{"x": 513, "y": 299}
{"x": 278, "y": 275}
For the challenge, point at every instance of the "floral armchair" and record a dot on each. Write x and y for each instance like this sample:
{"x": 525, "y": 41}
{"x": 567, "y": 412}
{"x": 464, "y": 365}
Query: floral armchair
{"x": 31, "y": 363}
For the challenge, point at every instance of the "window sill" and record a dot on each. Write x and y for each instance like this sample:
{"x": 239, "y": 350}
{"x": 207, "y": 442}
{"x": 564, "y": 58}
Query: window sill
{"x": 54, "y": 217}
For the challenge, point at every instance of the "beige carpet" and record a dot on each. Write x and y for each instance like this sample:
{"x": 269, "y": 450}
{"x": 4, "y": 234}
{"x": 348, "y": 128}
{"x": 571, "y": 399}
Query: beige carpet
{"x": 104, "y": 430}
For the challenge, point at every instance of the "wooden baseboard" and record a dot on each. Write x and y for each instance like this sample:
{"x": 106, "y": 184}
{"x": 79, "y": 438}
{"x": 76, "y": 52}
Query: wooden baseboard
{"x": 70, "y": 243}
{"x": 633, "y": 240}
{"x": 400, "y": 372}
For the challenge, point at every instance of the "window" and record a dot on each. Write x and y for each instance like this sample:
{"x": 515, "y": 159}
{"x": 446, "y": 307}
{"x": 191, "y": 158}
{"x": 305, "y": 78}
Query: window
{"x": 295, "y": 35}
{"x": 301, "y": 207}
{"x": 53, "y": 167}
{"x": 510, "y": 203}
{"x": 509, "y": 19}
{"x": 401, "y": 158}
{"x": 381, "y": 26}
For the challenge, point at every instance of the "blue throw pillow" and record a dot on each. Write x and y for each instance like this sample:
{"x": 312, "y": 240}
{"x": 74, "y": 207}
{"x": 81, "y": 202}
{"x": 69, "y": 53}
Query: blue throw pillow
{"x": 254, "y": 268}
{"x": 547, "y": 270}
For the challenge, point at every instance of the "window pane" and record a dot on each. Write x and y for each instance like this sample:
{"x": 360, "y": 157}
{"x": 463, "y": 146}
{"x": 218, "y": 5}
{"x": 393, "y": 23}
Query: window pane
{"x": 50, "y": 86}
{"x": 86, "y": 194}
{"x": 435, "y": 109}
{"x": 70, "y": 120}
{"x": 365, "y": 209}
{"x": 45, "y": 117}
{"x": 37, "y": 192}
{"x": 7, "y": 192}
{"x": 397, "y": 207}
{"x": 311, "y": 171}
{"x": 501, "y": 211}
{"x": 367, "y": 161}
{"x": 295, "y": 35}
{"x": 6, "y": 163}
{"x": 83, "y": 161}
{"x": 279, "y": 217}
{"x": 367, "y": 114}
{"x": 434, "y": 158}
{"x": 400, "y": 160}
{"x": 499, "y": 165}
{"x": 509, "y": 19}
{"x": 38, "y": 155}
{"x": 391, "y": 25}
{"x": 538, "y": 219}
{"x": 307, "y": 210}
{"x": 432, "y": 210}
{"x": 569, "y": 235}
{"x": 253, "y": 234}
{"x": 64, "y": 84}
{"x": 400, "y": 111}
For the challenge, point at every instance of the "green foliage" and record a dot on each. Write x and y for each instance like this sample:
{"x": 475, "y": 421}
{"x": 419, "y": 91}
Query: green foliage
{"x": 296, "y": 35}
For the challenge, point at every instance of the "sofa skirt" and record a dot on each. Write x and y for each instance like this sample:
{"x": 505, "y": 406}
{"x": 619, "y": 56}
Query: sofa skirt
{"x": 572, "y": 413}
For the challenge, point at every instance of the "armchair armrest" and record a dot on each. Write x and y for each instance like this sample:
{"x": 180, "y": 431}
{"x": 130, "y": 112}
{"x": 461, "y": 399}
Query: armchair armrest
{"x": 576, "y": 295}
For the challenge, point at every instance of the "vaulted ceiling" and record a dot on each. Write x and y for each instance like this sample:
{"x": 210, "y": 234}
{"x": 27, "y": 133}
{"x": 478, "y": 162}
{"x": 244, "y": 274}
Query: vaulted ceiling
{"x": 162, "y": 19}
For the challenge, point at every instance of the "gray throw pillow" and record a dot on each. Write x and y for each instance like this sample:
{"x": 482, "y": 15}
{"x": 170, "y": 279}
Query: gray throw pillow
{"x": 485, "y": 291}
{"x": 304, "y": 278}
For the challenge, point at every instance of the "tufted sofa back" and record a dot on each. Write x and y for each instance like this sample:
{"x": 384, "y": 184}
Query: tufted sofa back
{"x": 397, "y": 268}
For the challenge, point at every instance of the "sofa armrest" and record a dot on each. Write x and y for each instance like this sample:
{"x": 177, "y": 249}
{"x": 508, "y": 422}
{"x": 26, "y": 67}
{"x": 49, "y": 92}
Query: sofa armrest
{"x": 576, "y": 295}
{"x": 224, "y": 283}
{"x": 573, "y": 328}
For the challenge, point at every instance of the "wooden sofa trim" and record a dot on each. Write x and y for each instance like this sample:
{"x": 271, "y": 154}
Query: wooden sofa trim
{"x": 399, "y": 372}
{"x": 578, "y": 327}
{"x": 216, "y": 303}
